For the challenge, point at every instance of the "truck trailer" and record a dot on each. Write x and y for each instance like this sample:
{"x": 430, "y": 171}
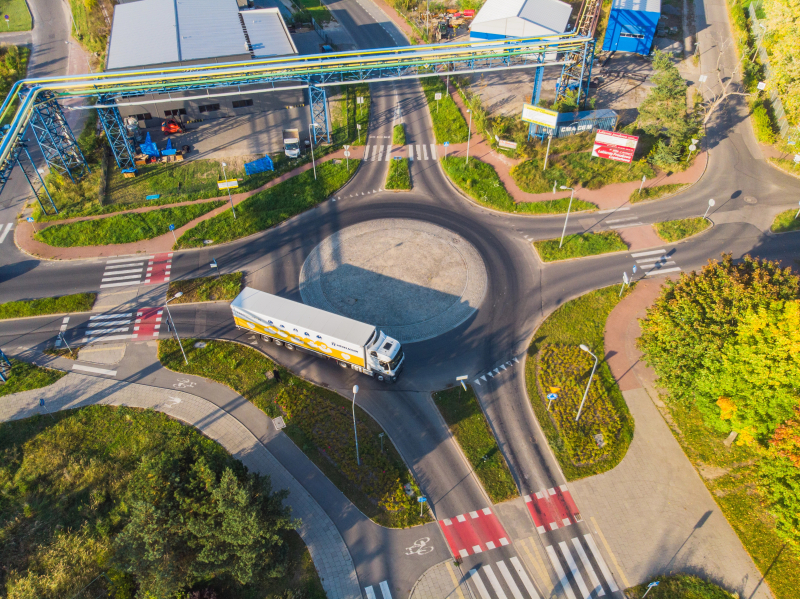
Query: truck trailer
{"x": 351, "y": 343}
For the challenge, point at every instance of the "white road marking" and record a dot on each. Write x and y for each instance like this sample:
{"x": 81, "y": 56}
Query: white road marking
{"x": 126, "y": 265}
{"x": 385, "y": 590}
{"x": 5, "y": 232}
{"x": 588, "y": 565}
{"x": 652, "y": 260}
{"x": 601, "y": 562}
{"x": 106, "y": 338}
{"x": 610, "y": 210}
{"x": 98, "y": 332}
{"x": 424, "y": 152}
{"x": 121, "y": 260}
{"x": 419, "y": 153}
{"x": 110, "y": 316}
{"x": 94, "y": 370}
{"x": 433, "y": 152}
{"x": 626, "y": 225}
{"x": 370, "y": 593}
{"x": 526, "y": 581}
{"x": 501, "y": 565}
{"x": 118, "y": 284}
{"x": 560, "y": 572}
{"x": 573, "y": 567}
{"x": 388, "y": 153}
{"x": 494, "y": 582}
{"x": 662, "y": 271}
{"x": 476, "y": 580}
{"x": 106, "y": 323}
{"x": 411, "y": 153}
{"x": 123, "y": 278}
{"x": 649, "y": 253}
{"x": 619, "y": 220}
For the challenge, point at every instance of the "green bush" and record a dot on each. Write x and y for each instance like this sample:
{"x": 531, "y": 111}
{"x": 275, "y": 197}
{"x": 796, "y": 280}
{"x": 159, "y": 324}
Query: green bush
{"x": 653, "y": 193}
{"x": 786, "y": 222}
{"x": 681, "y": 586}
{"x": 399, "y": 176}
{"x": 580, "y": 245}
{"x": 206, "y": 289}
{"x": 594, "y": 173}
{"x": 399, "y": 135}
{"x": 762, "y": 123}
{"x": 675, "y": 230}
{"x": 530, "y": 177}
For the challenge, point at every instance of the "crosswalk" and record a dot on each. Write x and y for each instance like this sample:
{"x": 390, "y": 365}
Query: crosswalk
{"x": 513, "y": 581}
{"x": 563, "y": 561}
{"x": 5, "y": 230}
{"x": 552, "y": 509}
{"x": 473, "y": 532}
{"x": 143, "y": 324}
{"x": 656, "y": 262}
{"x": 384, "y": 588}
{"x": 384, "y": 152}
{"x": 144, "y": 270}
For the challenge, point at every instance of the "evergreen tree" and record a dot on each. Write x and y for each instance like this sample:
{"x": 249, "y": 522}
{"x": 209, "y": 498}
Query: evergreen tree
{"x": 663, "y": 112}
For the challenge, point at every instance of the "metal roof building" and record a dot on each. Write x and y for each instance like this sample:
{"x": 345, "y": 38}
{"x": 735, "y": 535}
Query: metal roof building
{"x": 499, "y": 19}
{"x": 149, "y": 33}
{"x": 632, "y": 26}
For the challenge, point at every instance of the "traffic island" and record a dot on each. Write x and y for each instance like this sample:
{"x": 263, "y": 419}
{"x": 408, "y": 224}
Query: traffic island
{"x": 206, "y": 289}
{"x": 317, "y": 420}
{"x": 465, "y": 419}
{"x": 77, "y": 302}
{"x": 580, "y": 245}
{"x": 659, "y": 191}
{"x": 679, "y": 586}
{"x": 23, "y": 376}
{"x": 587, "y": 435}
{"x": 786, "y": 222}
{"x": 675, "y": 230}
{"x": 399, "y": 175}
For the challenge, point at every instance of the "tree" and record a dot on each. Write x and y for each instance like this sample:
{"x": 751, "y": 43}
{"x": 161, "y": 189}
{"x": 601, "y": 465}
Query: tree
{"x": 664, "y": 109}
{"x": 780, "y": 478}
{"x": 697, "y": 315}
{"x": 193, "y": 518}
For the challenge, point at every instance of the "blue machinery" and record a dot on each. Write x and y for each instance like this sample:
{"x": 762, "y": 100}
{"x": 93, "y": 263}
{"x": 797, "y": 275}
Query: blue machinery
{"x": 40, "y": 110}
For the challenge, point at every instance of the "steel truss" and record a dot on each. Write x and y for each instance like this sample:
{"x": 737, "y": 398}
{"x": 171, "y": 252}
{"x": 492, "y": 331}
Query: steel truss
{"x": 117, "y": 136}
{"x": 35, "y": 180}
{"x": 58, "y": 145}
{"x": 319, "y": 114}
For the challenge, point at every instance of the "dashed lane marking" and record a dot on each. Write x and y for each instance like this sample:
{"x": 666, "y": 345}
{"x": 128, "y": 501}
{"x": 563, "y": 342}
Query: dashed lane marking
{"x": 5, "y": 232}
{"x": 610, "y": 210}
{"x": 94, "y": 370}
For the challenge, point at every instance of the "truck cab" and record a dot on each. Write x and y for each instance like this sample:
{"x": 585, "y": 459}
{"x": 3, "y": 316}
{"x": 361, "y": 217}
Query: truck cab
{"x": 385, "y": 356}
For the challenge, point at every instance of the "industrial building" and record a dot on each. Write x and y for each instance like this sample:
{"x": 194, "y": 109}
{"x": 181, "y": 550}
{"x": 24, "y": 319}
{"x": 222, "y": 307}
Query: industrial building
{"x": 500, "y": 19}
{"x": 186, "y": 33}
{"x": 632, "y": 26}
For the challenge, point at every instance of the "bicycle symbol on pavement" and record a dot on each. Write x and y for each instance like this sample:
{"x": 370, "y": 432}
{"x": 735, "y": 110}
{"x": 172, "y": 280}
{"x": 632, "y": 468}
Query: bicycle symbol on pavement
{"x": 184, "y": 384}
{"x": 419, "y": 547}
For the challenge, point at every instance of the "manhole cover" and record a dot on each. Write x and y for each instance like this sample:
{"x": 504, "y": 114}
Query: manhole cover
{"x": 750, "y": 200}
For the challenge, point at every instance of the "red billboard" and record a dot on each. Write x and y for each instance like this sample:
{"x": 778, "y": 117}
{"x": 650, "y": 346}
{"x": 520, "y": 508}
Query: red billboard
{"x": 614, "y": 146}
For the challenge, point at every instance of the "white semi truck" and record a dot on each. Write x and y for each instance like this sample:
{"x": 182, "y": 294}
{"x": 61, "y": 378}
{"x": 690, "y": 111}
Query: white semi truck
{"x": 351, "y": 343}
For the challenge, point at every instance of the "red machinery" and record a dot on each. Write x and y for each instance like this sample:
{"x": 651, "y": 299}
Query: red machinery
{"x": 172, "y": 127}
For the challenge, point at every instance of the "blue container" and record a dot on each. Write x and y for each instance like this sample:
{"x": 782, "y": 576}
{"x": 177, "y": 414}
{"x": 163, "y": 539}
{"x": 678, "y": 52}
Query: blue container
{"x": 632, "y": 26}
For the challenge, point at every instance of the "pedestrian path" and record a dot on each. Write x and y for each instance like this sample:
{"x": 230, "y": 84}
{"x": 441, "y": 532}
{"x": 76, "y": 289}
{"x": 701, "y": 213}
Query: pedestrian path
{"x": 144, "y": 324}
{"x": 510, "y": 580}
{"x": 143, "y": 270}
{"x": 384, "y": 590}
{"x": 474, "y": 532}
{"x": 656, "y": 262}
{"x": 377, "y": 152}
{"x": 563, "y": 561}
{"x": 325, "y": 544}
{"x": 552, "y": 509}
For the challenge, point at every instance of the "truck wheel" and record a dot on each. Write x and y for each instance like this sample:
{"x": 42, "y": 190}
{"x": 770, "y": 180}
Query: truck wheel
{"x": 289, "y": 346}
{"x": 278, "y": 343}
{"x": 394, "y": 379}
{"x": 343, "y": 364}
{"x": 266, "y": 339}
{"x": 380, "y": 377}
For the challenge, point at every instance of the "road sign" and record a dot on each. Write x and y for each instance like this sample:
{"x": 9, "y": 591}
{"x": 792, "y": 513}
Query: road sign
{"x": 462, "y": 379}
{"x": 447, "y": 143}
{"x": 614, "y": 146}
{"x": 358, "y": 126}
{"x": 702, "y": 78}
{"x": 41, "y": 402}
{"x": 625, "y": 278}
{"x": 437, "y": 96}
{"x": 227, "y": 184}
{"x": 346, "y": 147}
{"x": 761, "y": 85}
{"x": 797, "y": 157}
{"x": 398, "y": 157}
{"x": 635, "y": 268}
{"x": 347, "y": 154}
{"x": 552, "y": 396}
{"x": 172, "y": 227}
{"x": 359, "y": 99}
{"x": 539, "y": 116}
{"x": 692, "y": 148}
{"x": 422, "y": 499}
{"x": 555, "y": 389}
{"x": 29, "y": 219}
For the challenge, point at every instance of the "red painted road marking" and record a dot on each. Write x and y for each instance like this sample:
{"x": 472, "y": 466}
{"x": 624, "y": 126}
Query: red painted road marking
{"x": 552, "y": 509}
{"x": 473, "y": 532}
{"x": 148, "y": 322}
{"x": 158, "y": 269}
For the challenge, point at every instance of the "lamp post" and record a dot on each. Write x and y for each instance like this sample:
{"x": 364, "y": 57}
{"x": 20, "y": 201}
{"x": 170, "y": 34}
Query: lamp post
{"x": 311, "y": 139}
{"x": 585, "y": 393}
{"x": 564, "y": 230}
{"x": 230, "y": 197}
{"x": 355, "y": 430}
{"x": 710, "y": 206}
{"x": 174, "y": 328}
{"x": 469, "y": 135}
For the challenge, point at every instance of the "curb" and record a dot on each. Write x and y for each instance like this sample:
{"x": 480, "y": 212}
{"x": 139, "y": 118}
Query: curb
{"x": 59, "y": 314}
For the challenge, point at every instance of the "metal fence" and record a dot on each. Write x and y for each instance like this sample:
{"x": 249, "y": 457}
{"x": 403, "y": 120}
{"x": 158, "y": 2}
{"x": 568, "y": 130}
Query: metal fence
{"x": 777, "y": 105}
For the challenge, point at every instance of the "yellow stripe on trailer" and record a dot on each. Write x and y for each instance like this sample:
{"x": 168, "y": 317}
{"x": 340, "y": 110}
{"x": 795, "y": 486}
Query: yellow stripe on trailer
{"x": 300, "y": 341}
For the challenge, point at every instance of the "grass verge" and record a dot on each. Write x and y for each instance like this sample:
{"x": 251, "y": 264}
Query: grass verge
{"x": 464, "y": 416}
{"x": 271, "y": 206}
{"x": 24, "y": 377}
{"x": 785, "y": 222}
{"x": 734, "y": 485}
{"x": 13, "y": 67}
{"x": 593, "y": 173}
{"x": 19, "y": 17}
{"x": 399, "y": 135}
{"x": 675, "y": 230}
{"x": 680, "y": 586}
{"x": 580, "y": 245}
{"x": 206, "y": 289}
{"x": 78, "y": 302}
{"x": 399, "y": 176}
{"x": 68, "y": 481}
{"x": 530, "y": 177}
{"x": 124, "y": 228}
{"x": 448, "y": 124}
{"x": 319, "y": 422}
{"x": 480, "y": 182}
{"x": 653, "y": 193}
{"x": 555, "y": 360}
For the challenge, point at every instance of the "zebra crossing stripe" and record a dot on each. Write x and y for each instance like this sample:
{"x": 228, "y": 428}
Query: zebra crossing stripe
{"x": 476, "y": 580}
{"x": 523, "y": 576}
{"x": 370, "y": 593}
{"x": 573, "y": 567}
{"x": 410, "y": 153}
{"x": 501, "y": 565}
{"x": 5, "y": 232}
{"x": 602, "y": 563}
{"x": 562, "y": 577}
{"x": 494, "y": 582}
{"x": 588, "y": 565}
{"x": 433, "y": 152}
{"x": 424, "y": 152}
{"x": 385, "y": 590}
{"x": 419, "y": 153}
{"x": 388, "y": 153}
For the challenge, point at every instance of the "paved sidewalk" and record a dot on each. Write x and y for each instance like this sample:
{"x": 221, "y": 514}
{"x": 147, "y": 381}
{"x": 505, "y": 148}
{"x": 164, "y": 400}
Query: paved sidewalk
{"x": 653, "y": 509}
{"x": 325, "y": 544}
{"x": 442, "y": 581}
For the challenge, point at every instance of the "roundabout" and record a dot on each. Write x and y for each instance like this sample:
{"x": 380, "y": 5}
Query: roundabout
{"x": 413, "y": 280}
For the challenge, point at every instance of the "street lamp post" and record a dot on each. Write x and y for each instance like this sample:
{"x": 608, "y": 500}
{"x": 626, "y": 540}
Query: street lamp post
{"x": 710, "y": 206}
{"x": 174, "y": 328}
{"x": 564, "y": 230}
{"x": 469, "y": 135}
{"x": 311, "y": 139}
{"x": 355, "y": 430}
{"x": 585, "y": 393}
{"x": 230, "y": 197}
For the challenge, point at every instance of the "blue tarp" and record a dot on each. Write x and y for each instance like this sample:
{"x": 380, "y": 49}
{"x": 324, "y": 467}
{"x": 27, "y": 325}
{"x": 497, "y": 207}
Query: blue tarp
{"x": 149, "y": 148}
{"x": 259, "y": 166}
{"x": 169, "y": 150}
